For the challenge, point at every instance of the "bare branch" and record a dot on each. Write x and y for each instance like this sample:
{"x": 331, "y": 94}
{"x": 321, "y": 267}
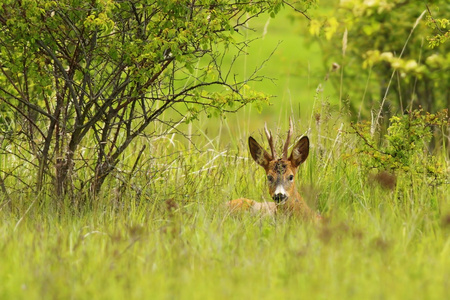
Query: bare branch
{"x": 297, "y": 10}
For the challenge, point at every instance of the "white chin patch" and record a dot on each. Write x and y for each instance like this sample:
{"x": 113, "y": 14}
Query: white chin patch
{"x": 280, "y": 190}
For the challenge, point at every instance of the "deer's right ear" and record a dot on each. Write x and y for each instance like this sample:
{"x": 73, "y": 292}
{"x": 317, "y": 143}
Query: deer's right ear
{"x": 300, "y": 152}
{"x": 258, "y": 153}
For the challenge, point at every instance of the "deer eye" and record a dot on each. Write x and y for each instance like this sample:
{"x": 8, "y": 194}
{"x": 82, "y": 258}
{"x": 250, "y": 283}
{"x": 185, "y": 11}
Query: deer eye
{"x": 270, "y": 178}
{"x": 291, "y": 177}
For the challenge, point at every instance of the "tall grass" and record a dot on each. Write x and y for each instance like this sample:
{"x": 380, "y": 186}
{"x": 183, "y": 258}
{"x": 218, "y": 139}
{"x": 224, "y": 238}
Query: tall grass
{"x": 164, "y": 234}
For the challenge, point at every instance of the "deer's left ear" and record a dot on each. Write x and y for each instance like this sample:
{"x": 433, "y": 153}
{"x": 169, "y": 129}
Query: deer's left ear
{"x": 259, "y": 154}
{"x": 300, "y": 152}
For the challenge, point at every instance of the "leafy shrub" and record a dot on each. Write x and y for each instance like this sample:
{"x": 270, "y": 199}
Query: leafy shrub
{"x": 441, "y": 30}
{"x": 404, "y": 149}
{"x": 94, "y": 77}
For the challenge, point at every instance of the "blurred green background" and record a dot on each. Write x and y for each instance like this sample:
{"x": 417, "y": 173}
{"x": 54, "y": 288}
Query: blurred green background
{"x": 293, "y": 70}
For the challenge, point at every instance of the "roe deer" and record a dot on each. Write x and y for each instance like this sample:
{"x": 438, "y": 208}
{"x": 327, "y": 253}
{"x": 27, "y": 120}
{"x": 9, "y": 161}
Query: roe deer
{"x": 280, "y": 177}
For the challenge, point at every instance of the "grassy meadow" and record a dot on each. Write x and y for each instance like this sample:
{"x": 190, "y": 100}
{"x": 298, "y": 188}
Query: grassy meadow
{"x": 163, "y": 232}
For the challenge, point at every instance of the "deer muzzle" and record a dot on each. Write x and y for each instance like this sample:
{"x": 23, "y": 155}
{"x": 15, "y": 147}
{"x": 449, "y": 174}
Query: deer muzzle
{"x": 280, "y": 194}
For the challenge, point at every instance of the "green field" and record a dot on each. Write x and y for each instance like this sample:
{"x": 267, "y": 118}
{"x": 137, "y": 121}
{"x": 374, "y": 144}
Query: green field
{"x": 165, "y": 234}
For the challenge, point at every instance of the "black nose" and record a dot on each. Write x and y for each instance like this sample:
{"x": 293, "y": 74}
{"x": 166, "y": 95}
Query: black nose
{"x": 279, "y": 197}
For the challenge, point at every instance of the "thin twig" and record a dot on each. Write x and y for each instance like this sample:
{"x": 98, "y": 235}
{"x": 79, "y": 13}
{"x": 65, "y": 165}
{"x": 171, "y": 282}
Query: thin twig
{"x": 297, "y": 10}
{"x": 434, "y": 20}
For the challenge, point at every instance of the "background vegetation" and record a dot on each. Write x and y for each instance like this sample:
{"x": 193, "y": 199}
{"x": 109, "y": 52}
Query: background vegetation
{"x": 156, "y": 228}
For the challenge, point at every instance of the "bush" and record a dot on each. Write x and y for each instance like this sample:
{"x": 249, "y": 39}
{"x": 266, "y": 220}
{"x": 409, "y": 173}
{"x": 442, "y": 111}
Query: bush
{"x": 404, "y": 149}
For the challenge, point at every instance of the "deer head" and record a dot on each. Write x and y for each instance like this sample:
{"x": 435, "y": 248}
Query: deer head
{"x": 280, "y": 171}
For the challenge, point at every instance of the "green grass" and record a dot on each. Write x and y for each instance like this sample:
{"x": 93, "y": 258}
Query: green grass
{"x": 170, "y": 238}
{"x": 164, "y": 233}
{"x": 371, "y": 246}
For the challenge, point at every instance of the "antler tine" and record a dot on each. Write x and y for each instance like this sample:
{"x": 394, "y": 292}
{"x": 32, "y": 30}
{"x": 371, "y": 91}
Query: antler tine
{"x": 270, "y": 139}
{"x": 288, "y": 139}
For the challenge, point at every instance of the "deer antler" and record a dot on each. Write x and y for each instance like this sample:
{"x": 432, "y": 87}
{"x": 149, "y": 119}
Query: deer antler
{"x": 270, "y": 139}
{"x": 288, "y": 139}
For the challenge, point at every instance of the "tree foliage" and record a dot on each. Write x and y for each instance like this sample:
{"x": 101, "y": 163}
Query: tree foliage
{"x": 98, "y": 73}
{"x": 441, "y": 28}
{"x": 384, "y": 50}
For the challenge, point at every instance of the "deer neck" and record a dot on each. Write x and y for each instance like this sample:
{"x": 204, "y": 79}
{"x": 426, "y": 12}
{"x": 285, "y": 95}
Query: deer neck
{"x": 296, "y": 205}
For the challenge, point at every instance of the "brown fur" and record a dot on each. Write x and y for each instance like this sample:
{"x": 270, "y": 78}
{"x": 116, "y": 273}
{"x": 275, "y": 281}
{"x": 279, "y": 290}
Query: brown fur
{"x": 280, "y": 177}
{"x": 244, "y": 204}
